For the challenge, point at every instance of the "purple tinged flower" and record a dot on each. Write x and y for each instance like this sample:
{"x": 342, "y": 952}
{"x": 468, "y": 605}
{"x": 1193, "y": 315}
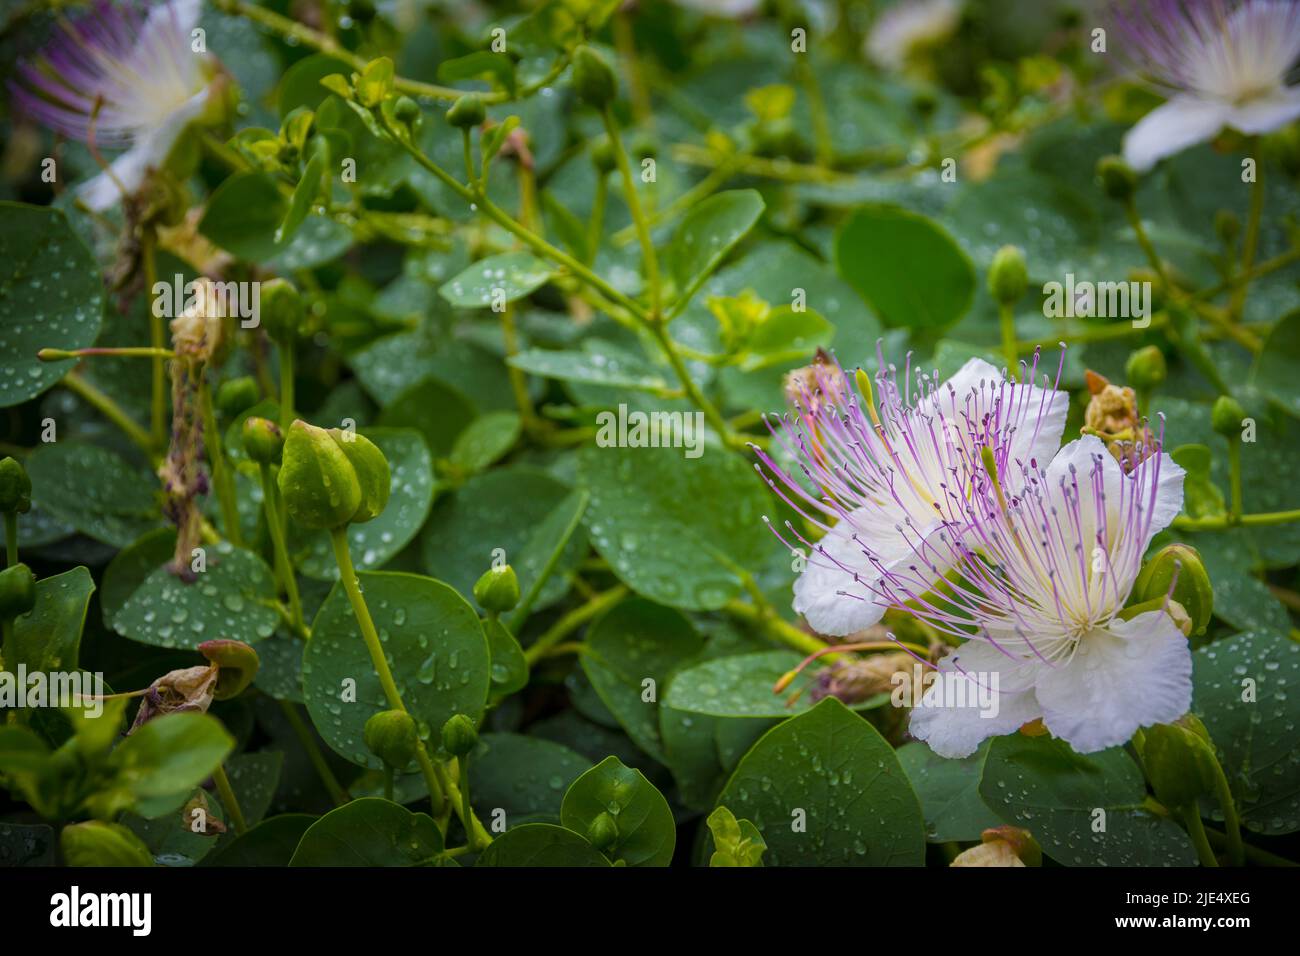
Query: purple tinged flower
{"x": 1045, "y": 570}
{"x": 1224, "y": 63}
{"x": 121, "y": 77}
{"x": 883, "y": 470}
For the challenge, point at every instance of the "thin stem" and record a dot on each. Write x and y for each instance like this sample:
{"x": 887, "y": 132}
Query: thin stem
{"x": 303, "y": 732}
{"x": 649, "y": 261}
{"x": 697, "y": 397}
{"x": 221, "y": 477}
{"x": 1196, "y": 830}
{"x": 572, "y": 621}
{"x": 466, "y": 811}
{"x": 526, "y": 605}
{"x": 518, "y": 380}
{"x": 144, "y": 351}
{"x": 775, "y": 627}
{"x": 228, "y": 798}
{"x": 283, "y": 566}
{"x": 1231, "y": 823}
{"x": 1007, "y": 320}
{"x": 158, "y": 341}
{"x": 286, "y": 386}
{"x": 1184, "y": 523}
{"x": 1253, "y": 853}
{"x": 348, "y": 575}
{"x": 596, "y": 225}
{"x": 687, "y": 200}
{"x": 1251, "y": 242}
{"x": 1234, "y": 475}
{"x": 112, "y": 411}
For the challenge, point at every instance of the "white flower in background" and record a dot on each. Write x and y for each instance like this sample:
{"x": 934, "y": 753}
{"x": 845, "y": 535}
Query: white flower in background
{"x": 1224, "y": 64}
{"x": 893, "y": 477}
{"x": 909, "y": 27}
{"x": 1047, "y": 570}
{"x": 730, "y": 9}
{"x": 124, "y": 77}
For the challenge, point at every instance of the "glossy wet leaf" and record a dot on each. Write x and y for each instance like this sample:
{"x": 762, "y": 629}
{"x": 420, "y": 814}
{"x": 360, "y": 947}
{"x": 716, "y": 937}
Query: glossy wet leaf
{"x": 949, "y": 792}
{"x": 740, "y": 686}
{"x": 1277, "y": 367}
{"x": 646, "y": 832}
{"x": 497, "y": 279}
{"x": 484, "y": 440}
{"x": 164, "y": 760}
{"x": 596, "y": 363}
{"x": 509, "y": 666}
{"x": 540, "y": 844}
{"x": 709, "y": 231}
{"x": 438, "y": 411}
{"x": 524, "y": 776}
{"x": 369, "y": 832}
{"x": 95, "y": 490}
{"x": 48, "y": 638}
{"x": 271, "y": 843}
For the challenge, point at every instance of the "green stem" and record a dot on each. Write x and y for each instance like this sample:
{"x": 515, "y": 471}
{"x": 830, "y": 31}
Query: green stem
{"x": 112, "y": 411}
{"x": 1007, "y": 320}
{"x": 228, "y": 799}
{"x": 697, "y": 397}
{"x": 348, "y": 575}
{"x": 388, "y": 782}
{"x": 303, "y": 732}
{"x": 283, "y": 566}
{"x": 649, "y": 261}
{"x": 1234, "y": 475}
{"x": 1196, "y": 830}
{"x": 158, "y": 341}
{"x": 221, "y": 478}
{"x": 687, "y": 200}
{"x": 143, "y": 351}
{"x": 466, "y": 811}
{"x": 596, "y": 225}
{"x": 286, "y": 386}
{"x": 775, "y": 627}
{"x": 1251, "y": 241}
{"x": 520, "y": 614}
{"x": 1253, "y": 853}
{"x": 1231, "y": 823}
{"x": 1184, "y": 523}
{"x": 571, "y": 621}
{"x": 11, "y": 537}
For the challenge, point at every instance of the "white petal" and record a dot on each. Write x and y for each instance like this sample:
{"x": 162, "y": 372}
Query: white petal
{"x": 986, "y": 677}
{"x": 1171, "y": 127}
{"x": 817, "y": 592}
{"x": 1266, "y": 113}
{"x": 1128, "y": 675}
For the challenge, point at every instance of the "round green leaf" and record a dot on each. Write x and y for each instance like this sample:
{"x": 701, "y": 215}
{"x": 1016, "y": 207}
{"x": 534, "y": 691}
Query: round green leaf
{"x": 271, "y": 843}
{"x": 51, "y": 296}
{"x": 1277, "y": 367}
{"x": 949, "y": 792}
{"x": 435, "y": 648}
{"x": 95, "y": 490}
{"x": 502, "y": 278}
{"x": 708, "y": 232}
{"x": 48, "y": 638}
{"x": 646, "y": 831}
{"x": 243, "y": 215}
{"x": 524, "y": 776}
{"x": 741, "y": 686}
{"x": 436, "y": 410}
{"x": 826, "y": 789}
{"x": 540, "y": 844}
{"x": 164, "y": 760}
{"x": 486, "y": 439}
{"x": 370, "y": 832}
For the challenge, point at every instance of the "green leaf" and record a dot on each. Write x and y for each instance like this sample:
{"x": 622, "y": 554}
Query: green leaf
{"x": 741, "y": 686}
{"x": 1201, "y": 497}
{"x": 486, "y": 439}
{"x": 949, "y": 792}
{"x": 496, "y": 68}
{"x": 708, "y": 232}
{"x": 26, "y": 844}
{"x": 129, "y": 568}
{"x": 1276, "y": 371}
{"x": 234, "y": 598}
{"x": 254, "y": 778}
{"x": 1245, "y": 692}
{"x": 598, "y": 363}
{"x": 634, "y": 642}
{"x": 438, "y": 411}
{"x": 736, "y": 842}
{"x": 509, "y": 666}
{"x": 51, "y": 296}
{"x": 907, "y": 268}
{"x": 370, "y": 832}
{"x": 49, "y": 637}
{"x": 825, "y": 789}
{"x": 377, "y": 542}
{"x": 164, "y": 760}
{"x": 524, "y": 776}
{"x": 243, "y": 215}
{"x": 702, "y": 751}
{"x": 540, "y": 844}
{"x": 309, "y": 188}
{"x": 301, "y": 86}
{"x": 435, "y": 648}
{"x": 271, "y": 843}
{"x": 1240, "y": 598}
{"x": 671, "y": 526}
{"x": 1064, "y": 798}
{"x": 497, "y": 280}
{"x": 516, "y": 509}
{"x": 786, "y": 336}
{"x": 95, "y": 490}
{"x": 646, "y": 831}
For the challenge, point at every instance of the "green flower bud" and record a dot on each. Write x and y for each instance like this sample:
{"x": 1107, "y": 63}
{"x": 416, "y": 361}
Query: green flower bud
{"x": 390, "y": 735}
{"x": 96, "y": 843}
{"x": 1226, "y": 417}
{"x": 407, "y": 111}
{"x": 1008, "y": 276}
{"x": 603, "y": 832}
{"x": 1179, "y": 761}
{"x": 237, "y": 665}
{"x": 263, "y": 440}
{"x": 1227, "y": 226}
{"x": 372, "y": 471}
{"x": 467, "y": 112}
{"x": 282, "y": 311}
{"x": 602, "y": 155}
{"x": 645, "y": 146}
{"x": 17, "y": 591}
{"x": 317, "y": 481}
{"x": 1192, "y": 589}
{"x": 237, "y": 395}
{"x": 1146, "y": 368}
{"x": 593, "y": 78}
{"x": 1118, "y": 181}
{"x": 15, "y": 487}
{"x": 497, "y": 590}
{"x": 459, "y": 735}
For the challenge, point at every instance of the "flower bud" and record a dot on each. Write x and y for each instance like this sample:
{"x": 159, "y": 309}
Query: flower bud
{"x": 1146, "y": 368}
{"x": 593, "y": 78}
{"x": 375, "y": 82}
{"x": 459, "y": 735}
{"x": 317, "y": 481}
{"x": 497, "y": 590}
{"x": 96, "y": 843}
{"x": 390, "y": 735}
{"x": 1192, "y": 589}
{"x": 1008, "y": 276}
{"x": 1118, "y": 181}
{"x": 282, "y": 311}
{"x": 237, "y": 665}
{"x": 237, "y": 395}
{"x": 263, "y": 440}
{"x": 467, "y": 112}
{"x": 17, "y": 591}
{"x": 15, "y": 487}
{"x": 1179, "y": 761}
{"x": 1226, "y": 417}
{"x": 1002, "y": 846}
{"x": 603, "y": 832}
{"x": 372, "y": 471}
{"x": 407, "y": 111}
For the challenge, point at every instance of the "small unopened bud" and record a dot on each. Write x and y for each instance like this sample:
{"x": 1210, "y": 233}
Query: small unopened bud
{"x": 1118, "y": 181}
{"x": 467, "y": 112}
{"x": 1226, "y": 416}
{"x": 1227, "y": 226}
{"x": 263, "y": 440}
{"x": 237, "y": 395}
{"x": 329, "y": 479}
{"x": 97, "y": 843}
{"x": 407, "y": 112}
{"x": 593, "y": 78}
{"x": 603, "y": 832}
{"x": 1177, "y": 571}
{"x": 282, "y": 311}
{"x": 391, "y": 736}
{"x": 459, "y": 736}
{"x": 1146, "y": 368}
{"x": 1008, "y": 276}
{"x": 17, "y": 591}
{"x": 15, "y": 487}
{"x": 497, "y": 590}
{"x": 237, "y": 665}
{"x": 1179, "y": 761}
{"x": 1002, "y": 846}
